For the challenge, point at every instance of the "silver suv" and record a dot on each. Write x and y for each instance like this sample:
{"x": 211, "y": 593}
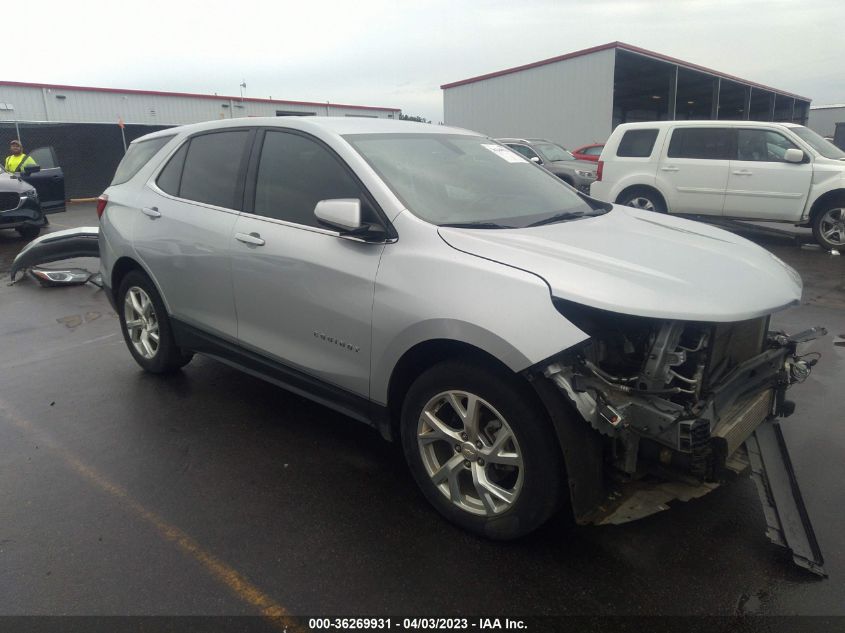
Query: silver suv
{"x": 528, "y": 345}
{"x": 558, "y": 160}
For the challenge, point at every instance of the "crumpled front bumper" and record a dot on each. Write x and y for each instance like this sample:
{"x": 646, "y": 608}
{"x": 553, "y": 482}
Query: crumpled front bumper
{"x": 736, "y": 429}
{"x": 53, "y": 247}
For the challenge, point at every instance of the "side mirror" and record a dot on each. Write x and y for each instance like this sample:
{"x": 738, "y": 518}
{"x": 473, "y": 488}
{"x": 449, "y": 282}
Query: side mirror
{"x": 31, "y": 169}
{"x": 793, "y": 155}
{"x": 536, "y": 159}
{"x": 341, "y": 213}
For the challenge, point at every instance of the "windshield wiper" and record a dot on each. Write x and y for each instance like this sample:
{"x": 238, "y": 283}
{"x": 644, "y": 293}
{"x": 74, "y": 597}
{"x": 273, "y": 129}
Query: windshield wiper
{"x": 557, "y": 217}
{"x": 475, "y": 225}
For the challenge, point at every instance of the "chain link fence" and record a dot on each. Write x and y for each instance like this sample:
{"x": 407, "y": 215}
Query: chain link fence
{"x": 88, "y": 153}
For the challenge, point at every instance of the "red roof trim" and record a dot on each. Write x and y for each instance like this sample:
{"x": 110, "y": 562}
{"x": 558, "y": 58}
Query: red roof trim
{"x": 625, "y": 47}
{"x": 157, "y": 93}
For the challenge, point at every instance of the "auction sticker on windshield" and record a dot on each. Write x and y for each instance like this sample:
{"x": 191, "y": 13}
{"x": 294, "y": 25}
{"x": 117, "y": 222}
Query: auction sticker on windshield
{"x": 505, "y": 153}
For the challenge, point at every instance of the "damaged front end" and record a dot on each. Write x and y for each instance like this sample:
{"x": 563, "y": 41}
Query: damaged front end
{"x": 678, "y": 407}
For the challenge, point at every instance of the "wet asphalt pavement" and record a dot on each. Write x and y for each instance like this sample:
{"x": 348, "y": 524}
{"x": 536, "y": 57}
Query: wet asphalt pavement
{"x": 216, "y": 493}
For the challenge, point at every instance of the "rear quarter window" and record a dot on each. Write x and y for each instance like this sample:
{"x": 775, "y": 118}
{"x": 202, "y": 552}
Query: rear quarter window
{"x": 636, "y": 144}
{"x": 136, "y": 157}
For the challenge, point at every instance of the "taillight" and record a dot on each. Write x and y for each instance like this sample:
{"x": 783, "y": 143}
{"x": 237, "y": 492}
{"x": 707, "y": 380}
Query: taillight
{"x": 599, "y": 170}
{"x": 101, "y": 205}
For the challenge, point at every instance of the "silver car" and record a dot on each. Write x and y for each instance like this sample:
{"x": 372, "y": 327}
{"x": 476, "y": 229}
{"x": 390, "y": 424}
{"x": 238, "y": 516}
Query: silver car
{"x": 528, "y": 346}
{"x": 581, "y": 174}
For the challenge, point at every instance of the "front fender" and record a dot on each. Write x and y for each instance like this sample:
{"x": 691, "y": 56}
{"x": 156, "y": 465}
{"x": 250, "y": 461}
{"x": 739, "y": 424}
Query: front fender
{"x": 428, "y": 290}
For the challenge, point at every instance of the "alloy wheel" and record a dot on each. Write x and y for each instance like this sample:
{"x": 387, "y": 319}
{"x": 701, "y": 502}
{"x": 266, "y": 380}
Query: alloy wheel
{"x": 470, "y": 453}
{"x": 832, "y": 226}
{"x": 141, "y": 322}
{"x": 641, "y": 202}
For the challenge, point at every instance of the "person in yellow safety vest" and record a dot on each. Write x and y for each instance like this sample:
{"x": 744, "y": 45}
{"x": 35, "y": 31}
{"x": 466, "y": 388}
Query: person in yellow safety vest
{"x": 17, "y": 160}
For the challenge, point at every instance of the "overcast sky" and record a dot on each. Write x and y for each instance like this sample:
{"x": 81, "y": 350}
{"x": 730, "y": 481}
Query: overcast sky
{"x": 397, "y": 54}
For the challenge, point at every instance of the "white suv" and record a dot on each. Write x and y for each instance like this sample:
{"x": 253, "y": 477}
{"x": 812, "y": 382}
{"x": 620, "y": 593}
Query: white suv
{"x": 736, "y": 169}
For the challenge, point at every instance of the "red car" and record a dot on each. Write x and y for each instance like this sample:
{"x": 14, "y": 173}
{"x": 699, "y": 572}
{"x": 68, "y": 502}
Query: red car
{"x": 588, "y": 152}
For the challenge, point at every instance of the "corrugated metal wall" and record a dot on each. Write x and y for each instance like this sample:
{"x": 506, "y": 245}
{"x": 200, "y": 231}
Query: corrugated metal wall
{"x": 92, "y": 106}
{"x": 824, "y": 120}
{"x": 569, "y": 102}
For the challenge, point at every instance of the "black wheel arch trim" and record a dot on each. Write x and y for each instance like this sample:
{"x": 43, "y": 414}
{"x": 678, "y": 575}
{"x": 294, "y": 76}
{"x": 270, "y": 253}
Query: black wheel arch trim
{"x": 640, "y": 187}
{"x": 582, "y": 449}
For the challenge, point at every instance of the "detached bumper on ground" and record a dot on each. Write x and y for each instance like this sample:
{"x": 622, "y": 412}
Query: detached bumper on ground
{"x": 54, "y": 247}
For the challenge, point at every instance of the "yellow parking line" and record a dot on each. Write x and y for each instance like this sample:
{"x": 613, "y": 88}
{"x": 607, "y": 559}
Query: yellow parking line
{"x": 222, "y": 572}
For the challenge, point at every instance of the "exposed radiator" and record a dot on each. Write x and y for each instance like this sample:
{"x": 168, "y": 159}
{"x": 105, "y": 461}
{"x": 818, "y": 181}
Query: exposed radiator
{"x": 740, "y": 421}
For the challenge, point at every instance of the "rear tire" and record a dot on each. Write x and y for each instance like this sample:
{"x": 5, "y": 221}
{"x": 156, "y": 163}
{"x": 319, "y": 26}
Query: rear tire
{"x": 146, "y": 326}
{"x": 28, "y": 232}
{"x": 644, "y": 199}
{"x": 482, "y": 449}
{"x": 829, "y": 227}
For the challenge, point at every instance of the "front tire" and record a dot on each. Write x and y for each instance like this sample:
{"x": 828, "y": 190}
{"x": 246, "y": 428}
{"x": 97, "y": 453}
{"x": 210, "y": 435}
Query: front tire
{"x": 829, "y": 227}
{"x": 146, "y": 326}
{"x": 645, "y": 199}
{"x": 28, "y": 231}
{"x": 481, "y": 449}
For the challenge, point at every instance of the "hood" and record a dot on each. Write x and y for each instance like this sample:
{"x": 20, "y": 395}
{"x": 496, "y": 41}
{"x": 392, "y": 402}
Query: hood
{"x": 11, "y": 183}
{"x": 641, "y": 263}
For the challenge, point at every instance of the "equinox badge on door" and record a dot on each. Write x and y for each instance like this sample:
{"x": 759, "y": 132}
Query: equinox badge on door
{"x": 336, "y": 341}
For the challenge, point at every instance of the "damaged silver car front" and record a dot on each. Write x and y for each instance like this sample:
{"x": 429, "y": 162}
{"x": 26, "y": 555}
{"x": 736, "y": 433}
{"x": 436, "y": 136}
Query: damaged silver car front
{"x": 680, "y": 407}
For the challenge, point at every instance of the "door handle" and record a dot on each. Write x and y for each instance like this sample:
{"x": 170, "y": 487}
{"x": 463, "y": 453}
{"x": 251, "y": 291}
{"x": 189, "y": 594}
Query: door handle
{"x": 742, "y": 172}
{"x": 250, "y": 238}
{"x": 152, "y": 212}
{"x": 670, "y": 169}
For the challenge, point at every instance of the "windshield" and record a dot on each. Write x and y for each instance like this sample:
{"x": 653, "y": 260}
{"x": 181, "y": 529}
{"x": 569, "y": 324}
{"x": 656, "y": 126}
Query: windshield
{"x": 457, "y": 179}
{"x": 818, "y": 143}
{"x": 552, "y": 152}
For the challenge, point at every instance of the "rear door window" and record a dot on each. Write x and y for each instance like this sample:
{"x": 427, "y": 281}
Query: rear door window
{"x": 710, "y": 143}
{"x": 136, "y": 157}
{"x": 213, "y": 167}
{"x": 635, "y": 144}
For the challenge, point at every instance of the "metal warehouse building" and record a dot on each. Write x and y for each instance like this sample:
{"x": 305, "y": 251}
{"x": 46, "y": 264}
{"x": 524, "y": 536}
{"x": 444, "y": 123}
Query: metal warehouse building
{"x": 580, "y": 97}
{"x": 81, "y": 123}
{"x": 827, "y": 119}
